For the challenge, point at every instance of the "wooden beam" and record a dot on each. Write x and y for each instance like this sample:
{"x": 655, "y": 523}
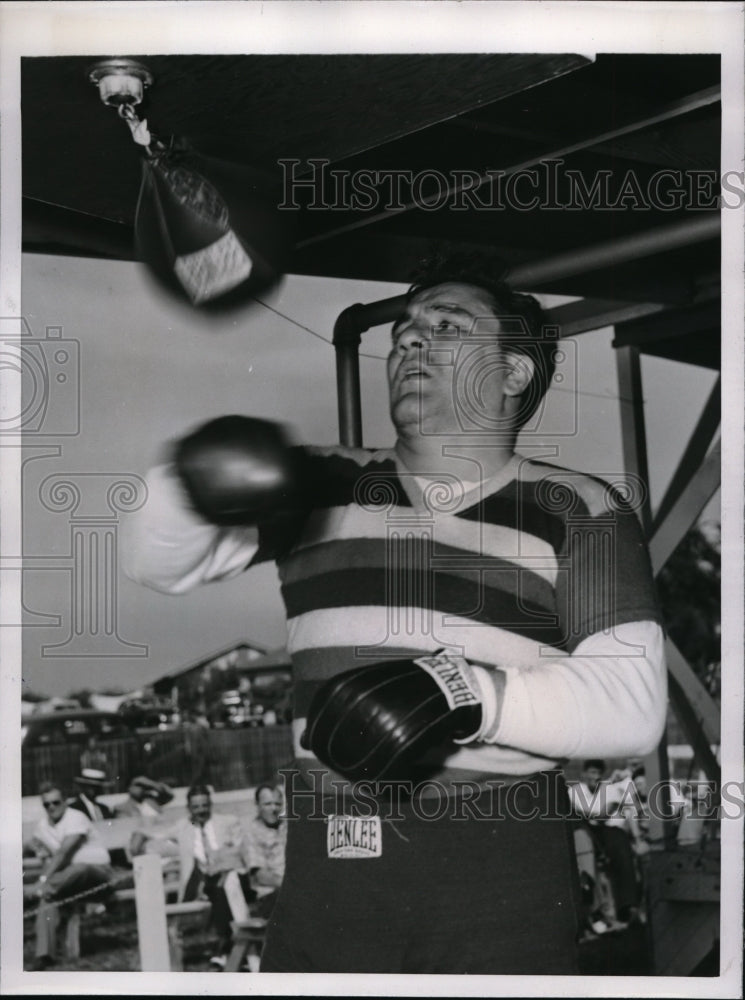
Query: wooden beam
{"x": 703, "y": 706}
{"x": 594, "y": 314}
{"x": 700, "y": 489}
{"x": 634, "y": 439}
{"x": 633, "y": 431}
{"x": 694, "y": 454}
{"x": 692, "y": 318}
{"x": 703, "y": 755}
{"x": 372, "y": 255}
{"x": 682, "y": 106}
{"x": 608, "y": 253}
{"x": 690, "y": 103}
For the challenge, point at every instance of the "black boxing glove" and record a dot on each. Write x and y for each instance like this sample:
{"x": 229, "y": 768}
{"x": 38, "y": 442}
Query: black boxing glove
{"x": 377, "y": 721}
{"x": 239, "y": 471}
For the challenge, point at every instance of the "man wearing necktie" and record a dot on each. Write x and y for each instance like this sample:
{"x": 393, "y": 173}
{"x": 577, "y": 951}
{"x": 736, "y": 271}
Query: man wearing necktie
{"x": 212, "y": 863}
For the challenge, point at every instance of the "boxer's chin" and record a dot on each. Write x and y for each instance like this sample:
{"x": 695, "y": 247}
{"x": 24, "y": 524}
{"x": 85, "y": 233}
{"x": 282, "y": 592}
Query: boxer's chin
{"x": 406, "y": 413}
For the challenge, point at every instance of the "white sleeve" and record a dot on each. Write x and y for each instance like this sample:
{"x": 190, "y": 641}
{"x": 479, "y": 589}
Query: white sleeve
{"x": 168, "y": 547}
{"x": 608, "y": 698}
{"x": 74, "y": 823}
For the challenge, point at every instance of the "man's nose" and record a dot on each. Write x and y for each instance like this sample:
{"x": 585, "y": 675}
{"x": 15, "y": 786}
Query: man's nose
{"x": 413, "y": 337}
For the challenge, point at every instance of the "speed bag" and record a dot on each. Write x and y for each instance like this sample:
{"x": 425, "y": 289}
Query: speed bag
{"x": 210, "y": 230}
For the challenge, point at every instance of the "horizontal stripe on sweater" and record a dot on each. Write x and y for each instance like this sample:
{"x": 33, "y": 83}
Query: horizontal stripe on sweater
{"x": 348, "y": 635}
{"x": 447, "y": 536}
{"x": 480, "y": 598}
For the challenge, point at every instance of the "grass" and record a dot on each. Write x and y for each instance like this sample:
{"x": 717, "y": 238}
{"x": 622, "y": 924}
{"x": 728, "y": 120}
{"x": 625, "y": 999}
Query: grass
{"x": 110, "y": 944}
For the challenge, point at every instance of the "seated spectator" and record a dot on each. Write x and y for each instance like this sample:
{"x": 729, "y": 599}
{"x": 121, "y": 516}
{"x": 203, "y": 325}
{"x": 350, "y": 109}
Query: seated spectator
{"x": 265, "y": 838}
{"x": 146, "y": 798}
{"x": 74, "y": 860}
{"x": 604, "y": 806}
{"x": 88, "y": 785}
{"x": 212, "y": 863}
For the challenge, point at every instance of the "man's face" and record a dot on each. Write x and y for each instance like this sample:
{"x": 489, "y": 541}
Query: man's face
{"x": 440, "y": 331}
{"x": 593, "y": 777}
{"x": 269, "y": 807}
{"x": 54, "y": 805}
{"x": 200, "y": 808}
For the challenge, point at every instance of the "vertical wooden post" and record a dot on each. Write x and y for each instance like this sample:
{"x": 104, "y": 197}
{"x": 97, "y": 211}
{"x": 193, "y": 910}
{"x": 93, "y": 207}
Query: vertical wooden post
{"x": 628, "y": 368}
{"x": 633, "y": 429}
{"x": 150, "y": 901}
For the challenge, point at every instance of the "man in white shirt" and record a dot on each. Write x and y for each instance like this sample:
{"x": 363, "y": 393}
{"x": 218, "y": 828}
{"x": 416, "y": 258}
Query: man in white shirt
{"x": 266, "y": 839}
{"x": 75, "y": 859}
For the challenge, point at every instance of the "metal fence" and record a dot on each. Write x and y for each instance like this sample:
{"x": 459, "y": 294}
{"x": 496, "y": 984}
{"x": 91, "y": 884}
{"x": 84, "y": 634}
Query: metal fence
{"x": 223, "y": 758}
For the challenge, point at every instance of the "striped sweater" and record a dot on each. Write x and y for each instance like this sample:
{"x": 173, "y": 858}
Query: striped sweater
{"x": 539, "y": 574}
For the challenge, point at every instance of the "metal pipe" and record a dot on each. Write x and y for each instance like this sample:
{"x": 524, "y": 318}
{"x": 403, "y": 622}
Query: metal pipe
{"x": 347, "y": 335}
{"x": 362, "y": 317}
{"x": 348, "y": 395}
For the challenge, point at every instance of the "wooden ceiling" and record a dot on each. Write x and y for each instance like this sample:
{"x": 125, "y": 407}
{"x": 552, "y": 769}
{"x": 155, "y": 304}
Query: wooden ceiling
{"x": 611, "y": 118}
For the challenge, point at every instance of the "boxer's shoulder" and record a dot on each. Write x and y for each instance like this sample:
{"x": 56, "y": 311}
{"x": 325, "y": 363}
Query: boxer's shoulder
{"x": 564, "y": 488}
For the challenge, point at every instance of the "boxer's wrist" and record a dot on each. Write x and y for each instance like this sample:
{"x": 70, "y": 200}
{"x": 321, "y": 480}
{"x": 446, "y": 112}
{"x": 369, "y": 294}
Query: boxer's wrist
{"x": 490, "y": 687}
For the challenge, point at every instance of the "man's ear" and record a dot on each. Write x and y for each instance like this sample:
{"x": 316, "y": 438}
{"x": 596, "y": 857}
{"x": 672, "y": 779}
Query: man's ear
{"x": 519, "y": 371}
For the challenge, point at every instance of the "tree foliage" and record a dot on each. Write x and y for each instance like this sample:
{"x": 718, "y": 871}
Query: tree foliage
{"x": 82, "y": 697}
{"x": 689, "y": 587}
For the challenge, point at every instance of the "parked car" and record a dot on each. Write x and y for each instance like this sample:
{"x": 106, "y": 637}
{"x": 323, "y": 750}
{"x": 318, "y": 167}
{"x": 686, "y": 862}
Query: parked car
{"x": 148, "y": 714}
{"x": 72, "y": 727}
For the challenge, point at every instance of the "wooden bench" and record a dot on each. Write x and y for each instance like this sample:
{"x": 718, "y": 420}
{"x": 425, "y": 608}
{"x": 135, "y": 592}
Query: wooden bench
{"x": 245, "y": 933}
{"x": 72, "y": 930}
{"x": 175, "y": 940}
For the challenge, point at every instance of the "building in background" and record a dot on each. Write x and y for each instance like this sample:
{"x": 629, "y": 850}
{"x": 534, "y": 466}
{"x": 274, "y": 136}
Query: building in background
{"x": 240, "y": 685}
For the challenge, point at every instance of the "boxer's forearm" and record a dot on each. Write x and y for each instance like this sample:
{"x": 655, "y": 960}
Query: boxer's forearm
{"x": 170, "y": 548}
{"x": 607, "y": 699}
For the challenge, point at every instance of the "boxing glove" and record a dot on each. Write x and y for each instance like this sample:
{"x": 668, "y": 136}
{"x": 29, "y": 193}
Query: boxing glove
{"x": 378, "y": 720}
{"x": 239, "y": 471}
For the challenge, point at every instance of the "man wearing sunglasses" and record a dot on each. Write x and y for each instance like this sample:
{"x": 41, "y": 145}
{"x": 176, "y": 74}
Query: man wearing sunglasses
{"x": 74, "y": 860}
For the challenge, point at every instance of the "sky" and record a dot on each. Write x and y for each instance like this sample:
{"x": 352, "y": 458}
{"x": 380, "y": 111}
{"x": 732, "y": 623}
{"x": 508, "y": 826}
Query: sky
{"x": 147, "y": 368}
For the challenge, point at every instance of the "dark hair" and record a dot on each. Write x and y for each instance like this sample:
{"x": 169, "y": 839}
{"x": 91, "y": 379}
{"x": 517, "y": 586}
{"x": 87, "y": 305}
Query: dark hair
{"x": 487, "y": 271}
{"x": 50, "y": 786}
{"x": 594, "y": 763}
{"x": 198, "y": 790}
{"x": 264, "y": 786}
{"x": 639, "y": 771}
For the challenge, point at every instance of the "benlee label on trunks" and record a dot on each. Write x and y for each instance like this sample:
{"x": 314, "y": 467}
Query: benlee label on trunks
{"x": 453, "y": 675}
{"x": 354, "y": 837}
